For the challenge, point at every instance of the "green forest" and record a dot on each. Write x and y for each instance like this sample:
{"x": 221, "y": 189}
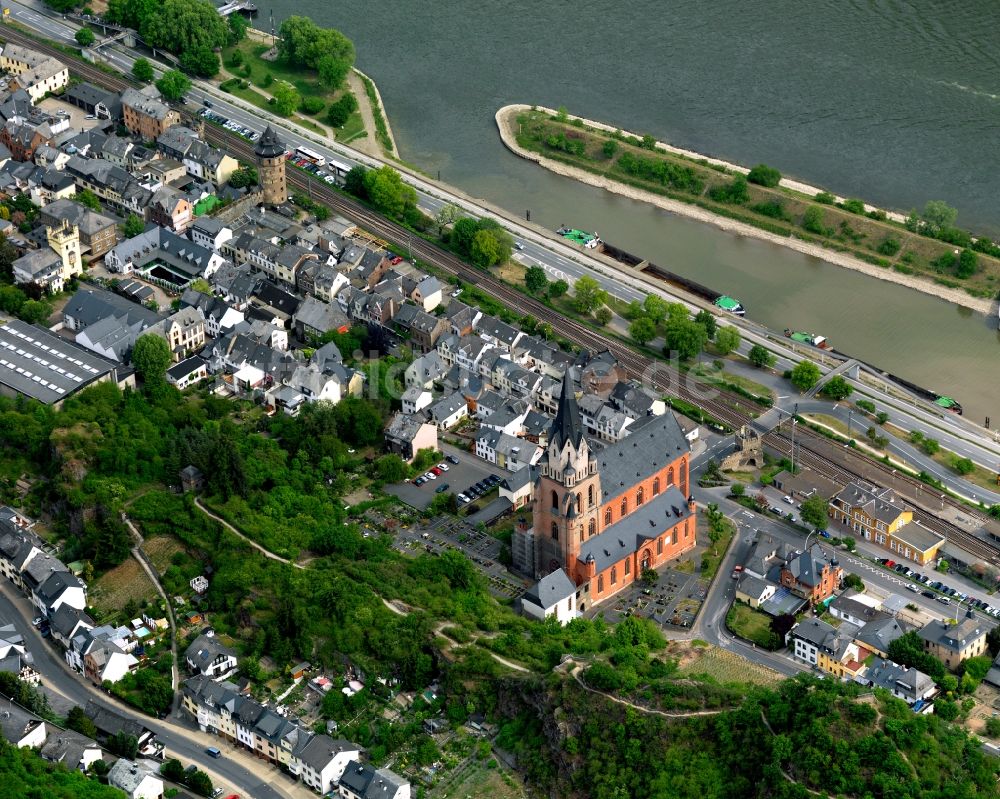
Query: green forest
{"x": 24, "y": 775}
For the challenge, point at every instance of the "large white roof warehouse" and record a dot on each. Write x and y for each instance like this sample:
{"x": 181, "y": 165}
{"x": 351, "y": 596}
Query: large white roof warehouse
{"x": 40, "y": 365}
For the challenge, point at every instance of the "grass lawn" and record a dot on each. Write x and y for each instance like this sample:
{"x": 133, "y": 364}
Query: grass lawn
{"x": 752, "y": 625}
{"x": 473, "y": 778}
{"x": 304, "y": 80}
{"x": 714, "y": 553}
{"x": 127, "y": 581}
{"x": 256, "y": 98}
{"x": 709, "y": 373}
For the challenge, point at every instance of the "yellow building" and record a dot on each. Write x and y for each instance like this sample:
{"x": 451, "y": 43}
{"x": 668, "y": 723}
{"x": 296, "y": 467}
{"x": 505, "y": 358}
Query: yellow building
{"x": 877, "y": 515}
{"x": 953, "y": 643}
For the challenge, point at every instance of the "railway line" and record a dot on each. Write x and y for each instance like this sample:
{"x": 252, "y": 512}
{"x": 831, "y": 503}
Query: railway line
{"x": 812, "y": 450}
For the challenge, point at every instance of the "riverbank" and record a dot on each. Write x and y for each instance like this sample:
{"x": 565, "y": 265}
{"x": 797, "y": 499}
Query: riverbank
{"x": 506, "y": 119}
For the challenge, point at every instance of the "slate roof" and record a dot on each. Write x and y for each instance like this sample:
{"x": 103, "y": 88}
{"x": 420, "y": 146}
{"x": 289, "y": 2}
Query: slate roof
{"x": 878, "y": 634}
{"x": 807, "y": 567}
{"x": 56, "y": 584}
{"x": 877, "y": 503}
{"x": 628, "y": 534}
{"x": 204, "y": 650}
{"x": 644, "y": 451}
{"x": 186, "y": 367}
{"x": 269, "y": 145}
{"x": 885, "y": 674}
{"x": 815, "y": 631}
{"x": 952, "y": 636}
{"x": 318, "y": 315}
{"x": 551, "y": 589}
{"x": 568, "y": 426}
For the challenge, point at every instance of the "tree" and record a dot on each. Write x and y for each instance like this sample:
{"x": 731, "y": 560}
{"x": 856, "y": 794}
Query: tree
{"x": 535, "y": 280}
{"x": 764, "y": 175}
{"x": 707, "y": 320}
{"x": 603, "y": 315}
{"x": 142, "y": 70}
{"x": 304, "y": 43}
{"x": 488, "y": 248}
{"x": 588, "y": 295}
{"x": 123, "y": 744}
{"x": 656, "y": 308}
{"x": 181, "y": 25}
{"x": 385, "y": 190}
{"x": 737, "y": 490}
{"x": 173, "y": 770}
{"x": 356, "y": 180}
{"x": 557, "y": 288}
{"x": 908, "y": 650}
{"x": 174, "y": 84}
{"x": 727, "y": 340}
{"x": 760, "y": 357}
{"x": 837, "y": 388}
{"x": 967, "y": 264}
{"x": 134, "y": 225}
{"x": 813, "y": 220}
{"x": 814, "y": 512}
{"x": 805, "y": 375}
{"x": 963, "y": 466}
{"x": 151, "y": 357}
{"x": 340, "y": 111}
{"x": 77, "y": 720}
{"x": 332, "y": 71}
{"x": 852, "y": 580}
{"x": 201, "y": 61}
{"x": 199, "y": 782}
{"x": 937, "y": 215}
{"x": 642, "y": 330}
{"x": 685, "y": 337}
{"x": 286, "y": 98}
{"x": 237, "y": 29}
{"x": 87, "y": 198}
{"x": 391, "y": 469}
{"x": 243, "y": 177}
{"x": 609, "y": 148}
{"x": 85, "y": 37}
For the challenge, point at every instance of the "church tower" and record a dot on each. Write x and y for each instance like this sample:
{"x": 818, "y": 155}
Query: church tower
{"x": 65, "y": 242}
{"x": 568, "y": 494}
{"x": 270, "y": 154}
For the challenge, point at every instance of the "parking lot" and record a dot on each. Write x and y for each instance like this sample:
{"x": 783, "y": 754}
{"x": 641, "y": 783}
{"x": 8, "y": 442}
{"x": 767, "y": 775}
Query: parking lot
{"x": 673, "y": 601}
{"x": 459, "y": 476}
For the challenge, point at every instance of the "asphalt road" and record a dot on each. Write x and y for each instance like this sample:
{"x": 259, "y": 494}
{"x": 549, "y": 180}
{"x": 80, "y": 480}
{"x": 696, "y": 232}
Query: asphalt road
{"x": 179, "y": 741}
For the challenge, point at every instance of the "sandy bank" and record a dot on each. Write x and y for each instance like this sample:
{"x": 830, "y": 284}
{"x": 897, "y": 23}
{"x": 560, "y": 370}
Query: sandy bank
{"x": 506, "y": 119}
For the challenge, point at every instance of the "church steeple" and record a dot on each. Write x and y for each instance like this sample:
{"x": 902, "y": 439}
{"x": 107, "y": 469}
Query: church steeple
{"x": 567, "y": 427}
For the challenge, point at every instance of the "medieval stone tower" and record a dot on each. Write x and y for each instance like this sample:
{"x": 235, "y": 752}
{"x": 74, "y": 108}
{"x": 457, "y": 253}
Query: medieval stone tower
{"x": 271, "y": 167}
{"x": 64, "y": 239}
{"x": 568, "y": 495}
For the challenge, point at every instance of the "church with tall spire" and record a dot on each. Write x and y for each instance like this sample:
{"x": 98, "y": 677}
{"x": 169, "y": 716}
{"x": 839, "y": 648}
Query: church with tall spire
{"x": 604, "y": 513}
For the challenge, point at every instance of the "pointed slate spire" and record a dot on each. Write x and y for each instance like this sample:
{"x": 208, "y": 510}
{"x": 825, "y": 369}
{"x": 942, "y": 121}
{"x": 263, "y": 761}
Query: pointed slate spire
{"x": 269, "y": 145}
{"x": 567, "y": 425}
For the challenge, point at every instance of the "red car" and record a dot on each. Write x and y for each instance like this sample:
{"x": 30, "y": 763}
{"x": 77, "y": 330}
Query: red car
{"x": 890, "y": 563}
{"x": 436, "y": 471}
{"x": 396, "y": 260}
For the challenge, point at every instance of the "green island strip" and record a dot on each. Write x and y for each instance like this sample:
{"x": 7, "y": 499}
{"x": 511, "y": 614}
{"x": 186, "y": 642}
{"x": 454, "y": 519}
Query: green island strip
{"x": 924, "y": 250}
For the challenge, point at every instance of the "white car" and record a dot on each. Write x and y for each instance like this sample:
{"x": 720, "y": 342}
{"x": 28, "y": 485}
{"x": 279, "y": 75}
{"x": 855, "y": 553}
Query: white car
{"x": 443, "y": 466}
{"x": 430, "y": 475}
{"x": 330, "y": 179}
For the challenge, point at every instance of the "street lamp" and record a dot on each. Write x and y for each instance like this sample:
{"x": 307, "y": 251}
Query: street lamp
{"x": 850, "y": 420}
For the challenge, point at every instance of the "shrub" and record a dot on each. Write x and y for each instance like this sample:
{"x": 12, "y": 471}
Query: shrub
{"x": 312, "y": 105}
{"x": 889, "y": 246}
{"x": 813, "y": 220}
{"x": 825, "y": 198}
{"x": 772, "y": 208}
{"x": 853, "y": 206}
{"x": 764, "y": 175}
{"x": 735, "y": 193}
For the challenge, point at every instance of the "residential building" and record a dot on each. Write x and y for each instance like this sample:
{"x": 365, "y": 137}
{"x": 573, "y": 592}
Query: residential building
{"x": 815, "y": 642}
{"x": 416, "y": 399}
{"x": 553, "y": 595}
{"x": 38, "y": 364}
{"x": 314, "y": 317}
{"x": 407, "y": 434}
{"x": 210, "y": 658}
{"x": 366, "y": 782}
{"x": 187, "y": 372}
{"x": 20, "y": 728}
{"x": 36, "y": 73}
{"x": 209, "y": 232}
{"x": 53, "y": 266}
{"x": 112, "y": 184}
{"x": 877, "y": 515}
{"x": 76, "y": 752}
{"x": 506, "y": 451}
{"x": 134, "y": 780}
{"x": 184, "y": 332}
{"x": 160, "y": 254}
{"x": 753, "y": 590}
{"x": 906, "y": 683}
{"x": 953, "y": 643}
{"x": 878, "y": 634}
{"x": 857, "y": 609}
{"x": 170, "y": 209}
{"x": 320, "y": 762}
{"x": 605, "y": 516}
{"x": 448, "y": 411}
{"x": 60, "y": 588}
{"x": 425, "y": 370}
{"x": 519, "y": 489}
{"x": 98, "y": 231}
{"x": 145, "y": 114}
{"x": 812, "y": 575}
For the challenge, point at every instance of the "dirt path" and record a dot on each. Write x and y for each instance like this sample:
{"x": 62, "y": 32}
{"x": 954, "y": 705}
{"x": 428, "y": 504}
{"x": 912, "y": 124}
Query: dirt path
{"x": 506, "y": 119}
{"x": 648, "y": 710}
{"x": 367, "y": 144}
{"x": 265, "y": 552}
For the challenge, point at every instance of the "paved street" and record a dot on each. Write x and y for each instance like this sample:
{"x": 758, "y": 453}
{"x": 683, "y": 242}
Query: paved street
{"x": 235, "y": 770}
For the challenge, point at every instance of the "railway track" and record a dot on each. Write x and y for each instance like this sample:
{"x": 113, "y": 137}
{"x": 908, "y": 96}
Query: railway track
{"x": 812, "y": 449}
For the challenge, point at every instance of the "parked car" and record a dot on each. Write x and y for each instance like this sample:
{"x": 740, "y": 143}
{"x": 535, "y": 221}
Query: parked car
{"x": 430, "y": 476}
{"x": 463, "y": 499}
{"x": 441, "y": 489}
{"x": 788, "y": 499}
{"x": 737, "y": 571}
{"x": 436, "y": 471}
{"x": 913, "y": 588}
{"x": 943, "y": 600}
{"x": 456, "y": 292}
{"x": 451, "y": 459}
{"x": 888, "y": 563}
{"x": 443, "y": 466}
{"x": 37, "y": 621}
{"x": 419, "y": 481}
{"x": 882, "y": 561}
{"x": 518, "y": 245}
{"x": 396, "y": 260}
{"x": 928, "y": 594}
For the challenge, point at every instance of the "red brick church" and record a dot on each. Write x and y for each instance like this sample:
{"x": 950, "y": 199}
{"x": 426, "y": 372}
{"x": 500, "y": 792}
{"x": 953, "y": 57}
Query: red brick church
{"x": 604, "y": 513}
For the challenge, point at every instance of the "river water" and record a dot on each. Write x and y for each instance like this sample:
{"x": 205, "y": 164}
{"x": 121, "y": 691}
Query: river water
{"x": 896, "y": 102}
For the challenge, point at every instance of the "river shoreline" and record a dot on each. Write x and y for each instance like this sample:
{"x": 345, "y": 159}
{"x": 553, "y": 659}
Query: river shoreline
{"x": 506, "y": 119}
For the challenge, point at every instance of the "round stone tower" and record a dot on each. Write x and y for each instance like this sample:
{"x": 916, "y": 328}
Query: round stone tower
{"x": 271, "y": 167}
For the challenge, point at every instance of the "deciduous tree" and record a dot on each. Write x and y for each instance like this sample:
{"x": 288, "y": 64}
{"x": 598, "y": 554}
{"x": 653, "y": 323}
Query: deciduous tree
{"x": 85, "y": 37}
{"x": 642, "y": 330}
{"x": 134, "y": 225}
{"x": 535, "y": 280}
{"x": 151, "y": 357}
{"x": 685, "y": 337}
{"x": 142, "y": 70}
{"x": 174, "y": 84}
{"x": 727, "y": 340}
{"x": 805, "y": 375}
{"x": 588, "y": 295}
{"x": 760, "y": 356}
{"x": 837, "y": 388}
{"x": 286, "y": 98}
